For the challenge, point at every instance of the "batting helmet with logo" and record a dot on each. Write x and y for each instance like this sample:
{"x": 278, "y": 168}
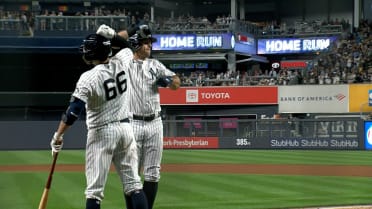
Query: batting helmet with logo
{"x": 95, "y": 47}
{"x": 143, "y": 34}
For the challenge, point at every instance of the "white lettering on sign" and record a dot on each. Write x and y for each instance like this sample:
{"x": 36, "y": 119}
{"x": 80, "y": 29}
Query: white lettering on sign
{"x": 315, "y": 44}
{"x": 218, "y": 95}
{"x": 188, "y": 143}
{"x": 206, "y": 41}
{"x": 179, "y": 41}
{"x": 297, "y": 45}
{"x": 283, "y": 45}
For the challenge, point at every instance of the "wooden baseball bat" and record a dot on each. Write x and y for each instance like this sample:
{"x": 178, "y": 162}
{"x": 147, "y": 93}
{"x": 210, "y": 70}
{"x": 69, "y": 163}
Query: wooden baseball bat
{"x": 44, "y": 197}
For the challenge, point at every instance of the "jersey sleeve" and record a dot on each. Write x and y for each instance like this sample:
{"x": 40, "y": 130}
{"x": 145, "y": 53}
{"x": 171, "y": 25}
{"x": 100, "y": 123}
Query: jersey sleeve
{"x": 82, "y": 89}
{"x": 162, "y": 70}
{"x": 124, "y": 55}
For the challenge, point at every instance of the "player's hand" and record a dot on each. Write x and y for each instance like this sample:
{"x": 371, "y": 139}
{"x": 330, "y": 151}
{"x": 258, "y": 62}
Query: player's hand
{"x": 164, "y": 81}
{"x": 106, "y": 31}
{"x": 56, "y": 143}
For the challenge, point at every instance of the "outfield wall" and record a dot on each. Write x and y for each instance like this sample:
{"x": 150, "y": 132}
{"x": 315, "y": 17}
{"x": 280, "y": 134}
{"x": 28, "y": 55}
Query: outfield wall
{"x": 29, "y": 135}
{"x": 325, "y": 133}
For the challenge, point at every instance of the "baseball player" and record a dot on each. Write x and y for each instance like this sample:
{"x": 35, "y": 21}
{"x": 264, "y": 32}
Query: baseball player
{"x": 145, "y": 76}
{"x": 103, "y": 93}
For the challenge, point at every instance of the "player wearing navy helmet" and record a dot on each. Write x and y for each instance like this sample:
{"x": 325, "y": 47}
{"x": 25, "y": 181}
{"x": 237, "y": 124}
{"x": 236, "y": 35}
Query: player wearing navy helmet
{"x": 103, "y": 92}
{"x": 146, "y": 75}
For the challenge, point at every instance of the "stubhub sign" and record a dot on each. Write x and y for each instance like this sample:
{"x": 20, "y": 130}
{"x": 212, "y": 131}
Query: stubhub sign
{"x": 368, "y": 135}
{"x": 193, "y": 41}
{"x": 293, "y": 45}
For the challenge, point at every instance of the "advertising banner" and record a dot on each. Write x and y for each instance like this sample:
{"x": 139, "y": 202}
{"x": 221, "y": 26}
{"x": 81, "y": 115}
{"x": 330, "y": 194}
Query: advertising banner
{"x": 193, "y": 41}
{"x": 245, "y": 44}
{"x": 293, "y": 45}
{"x": 368, "y": 135}
{"x": 313, "y": 99}
{"x": 242, "y": 95}
{"x": 190, "y": 143}
{"x": 360, "y": 98}
{"x": 266, "y": 143}
{"x": 292, "y": 143}
{"x": 293, "y": 64}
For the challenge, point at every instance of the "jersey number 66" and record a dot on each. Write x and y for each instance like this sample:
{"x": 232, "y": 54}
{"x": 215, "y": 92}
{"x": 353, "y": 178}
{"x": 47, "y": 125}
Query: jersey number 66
{"x": 110, "y": 87}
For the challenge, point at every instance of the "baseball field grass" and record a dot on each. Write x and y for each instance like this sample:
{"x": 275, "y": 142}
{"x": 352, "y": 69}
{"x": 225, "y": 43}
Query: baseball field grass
{"x": 200, "y": 179}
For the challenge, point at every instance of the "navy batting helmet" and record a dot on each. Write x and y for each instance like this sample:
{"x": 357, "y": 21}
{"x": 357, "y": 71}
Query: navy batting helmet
{"x": 96, "y": 47}
{"x": 143, "y": 34}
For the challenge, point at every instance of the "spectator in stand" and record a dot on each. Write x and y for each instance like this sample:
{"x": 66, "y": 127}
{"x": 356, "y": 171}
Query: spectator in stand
{"x": 24, "y": 23}
{"x": 273, "y": 73}
{"x": 53, "y": 20}
{"x": 43, "y": 21}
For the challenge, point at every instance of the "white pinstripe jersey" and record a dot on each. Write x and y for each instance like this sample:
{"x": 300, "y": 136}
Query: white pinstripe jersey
{"x": 104, "y": 89}
{"x": 144, "y": 99}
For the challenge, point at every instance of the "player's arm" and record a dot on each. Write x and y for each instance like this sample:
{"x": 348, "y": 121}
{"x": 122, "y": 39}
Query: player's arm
{"x": 167, "y": 78}
{"x": 173, "y": 82}
{"x": 118, "y": 40}
{"x": 72, "y": 113}
{"x": 129, "y": 32}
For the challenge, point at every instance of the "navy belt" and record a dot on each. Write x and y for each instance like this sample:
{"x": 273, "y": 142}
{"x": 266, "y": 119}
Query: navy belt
{"x": 125, "y": 120}
{"x": 145, "y": 118}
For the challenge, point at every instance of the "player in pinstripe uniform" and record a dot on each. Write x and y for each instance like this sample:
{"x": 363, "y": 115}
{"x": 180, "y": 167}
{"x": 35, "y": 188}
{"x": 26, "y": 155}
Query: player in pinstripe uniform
{"x": 103, "y": 92}
{"x": 146, "y": 75}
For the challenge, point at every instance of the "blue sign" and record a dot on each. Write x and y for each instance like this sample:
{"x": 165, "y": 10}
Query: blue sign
{"x": 368, "y": 135}
{"x": 245, "y": 44}
{"x": 370, "y": 97}
{"x": 293, "y": 45}
{"x": 193, "y": 41}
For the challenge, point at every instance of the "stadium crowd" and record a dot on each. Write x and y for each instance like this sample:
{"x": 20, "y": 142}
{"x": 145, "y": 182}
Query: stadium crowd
{"x": 348, "y": 60}
{"x": 54, "y": 20}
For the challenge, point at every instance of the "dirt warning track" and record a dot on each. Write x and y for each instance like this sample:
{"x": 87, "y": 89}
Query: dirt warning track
{"x": 316, "y": 170}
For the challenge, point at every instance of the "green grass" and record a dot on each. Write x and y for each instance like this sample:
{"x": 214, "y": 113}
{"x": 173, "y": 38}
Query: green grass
{"x": 22, "y": 190}
{"x": 307, "y": 157}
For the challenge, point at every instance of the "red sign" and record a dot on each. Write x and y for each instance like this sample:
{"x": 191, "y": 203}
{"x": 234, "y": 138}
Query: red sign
{"x": 62, "y": 8}
{"x": 239, "y": 95}
{"x": 293, "y": 64}
{"x": 228, "y": 122}
{"x": 190, "y": 142}
{"x": 194, "y": 122}
{"x": 245, "y": 39}
{"x": 24, "y": 7}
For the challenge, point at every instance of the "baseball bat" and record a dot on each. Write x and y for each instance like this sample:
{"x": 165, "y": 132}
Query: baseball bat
{"x": 44, "y": 197}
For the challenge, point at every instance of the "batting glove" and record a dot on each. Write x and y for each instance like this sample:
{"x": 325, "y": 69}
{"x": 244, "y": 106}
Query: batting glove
{"x": 57, "y": 143}
{"x": 106, "y": 31}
